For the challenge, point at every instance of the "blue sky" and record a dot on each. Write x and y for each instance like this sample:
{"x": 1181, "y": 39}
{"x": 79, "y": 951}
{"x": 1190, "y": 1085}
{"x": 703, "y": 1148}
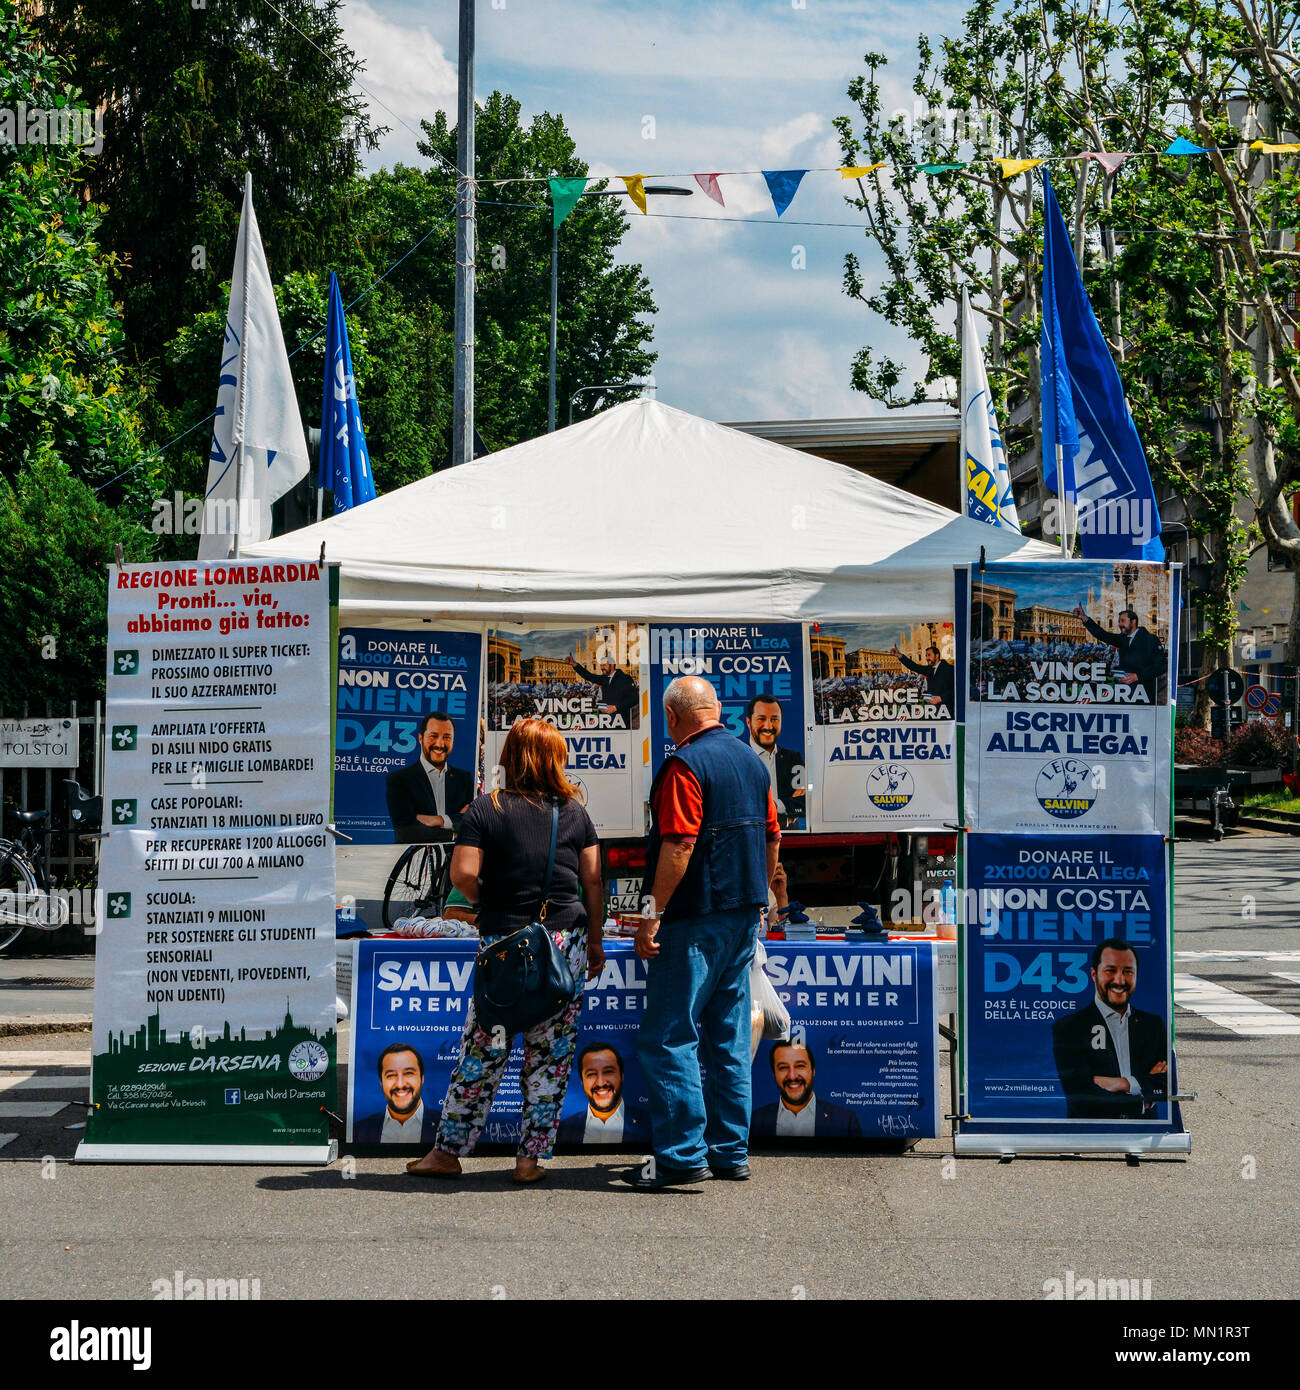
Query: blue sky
{"x": 741, "y": 334}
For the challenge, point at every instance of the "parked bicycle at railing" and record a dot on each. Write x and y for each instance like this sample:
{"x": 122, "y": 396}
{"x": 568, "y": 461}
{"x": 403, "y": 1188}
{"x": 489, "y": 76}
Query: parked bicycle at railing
{"x": 26, "y": 897}
{"x": 419, "y": 883}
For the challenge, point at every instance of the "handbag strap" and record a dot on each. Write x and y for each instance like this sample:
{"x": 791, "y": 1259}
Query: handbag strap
{"x": 550, "y": 861}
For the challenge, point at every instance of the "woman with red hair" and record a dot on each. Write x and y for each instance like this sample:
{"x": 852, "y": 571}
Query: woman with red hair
{"x": 499, "y": 864}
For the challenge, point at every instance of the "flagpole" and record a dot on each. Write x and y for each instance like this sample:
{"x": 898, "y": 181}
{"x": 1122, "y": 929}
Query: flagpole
{"x": 462, "y": 415}
{"x": 962, "y": 499}
{"x": 237, "y": 437}
{"x": 1060, "y": 494}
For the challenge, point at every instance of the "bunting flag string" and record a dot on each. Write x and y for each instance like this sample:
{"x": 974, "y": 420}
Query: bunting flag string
{"x": 783, "y": 184}
{"x": 709, "y": 183}
{"x": 635, "y": 185}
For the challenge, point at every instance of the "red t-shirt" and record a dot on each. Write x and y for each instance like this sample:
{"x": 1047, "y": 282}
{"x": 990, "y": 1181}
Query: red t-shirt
{"x": 678, "y": 802}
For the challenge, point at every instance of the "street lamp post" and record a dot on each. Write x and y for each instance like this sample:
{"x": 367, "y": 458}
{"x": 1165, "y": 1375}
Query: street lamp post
{"x": 659, "y": 191}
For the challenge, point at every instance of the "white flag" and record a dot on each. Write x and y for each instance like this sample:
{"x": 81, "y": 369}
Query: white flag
{"x": 986, "y": 477}
{"x": 259, "y": 449}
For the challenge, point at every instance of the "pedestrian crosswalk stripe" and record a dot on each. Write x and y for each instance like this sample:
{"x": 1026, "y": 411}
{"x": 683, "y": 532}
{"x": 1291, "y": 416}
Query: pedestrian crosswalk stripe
{"x": 43, "y": 1081}
{"x": 30, "y": 1109}
{"x": 1292, "y": 975}
{"x": 5, "y": 1138}
{"x": 1230, "y": 1009}
{"x": 1221, "y": 956}
{"x": 55, "y": 1059}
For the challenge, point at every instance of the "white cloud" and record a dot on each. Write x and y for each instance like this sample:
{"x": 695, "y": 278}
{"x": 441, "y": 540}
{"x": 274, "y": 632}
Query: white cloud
{"x": 406, "y": 68}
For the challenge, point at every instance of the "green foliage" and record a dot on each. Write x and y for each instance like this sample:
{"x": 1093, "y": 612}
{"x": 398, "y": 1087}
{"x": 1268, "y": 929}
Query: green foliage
{"x": 195, "y": 98}
{"x": 62, "y": 387}
{"x": 57, "y": 539}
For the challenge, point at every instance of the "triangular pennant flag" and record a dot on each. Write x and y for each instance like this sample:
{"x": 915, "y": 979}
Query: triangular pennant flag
{"x": 1012, "y": 167}
{"x": 1181, "y": 146}
{"x": 1108, "y": 161}
{"x": 564, "y": 194}
{"x": 635, "y": 184}
{"x": 857, "y": 170}
{"x": 1265, "y": 148}
{"x": 709, "y": 183}
{"x": 939, "y": 168}
{"x": 783, "y": 184}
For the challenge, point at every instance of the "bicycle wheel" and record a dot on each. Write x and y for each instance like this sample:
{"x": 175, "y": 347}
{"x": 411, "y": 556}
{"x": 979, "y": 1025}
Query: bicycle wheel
{"x": 19, "y": 886}
{"x": 415, "y": 885}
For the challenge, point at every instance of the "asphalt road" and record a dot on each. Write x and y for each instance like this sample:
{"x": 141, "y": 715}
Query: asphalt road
{"x": 924, "y": 1225}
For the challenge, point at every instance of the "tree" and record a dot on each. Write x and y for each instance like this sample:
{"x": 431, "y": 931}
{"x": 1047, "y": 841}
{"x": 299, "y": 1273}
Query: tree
{"x": 193, "y": 98}
{"x": 62, "y": 387}
{"x": 68, "y": 422}
{"x": 57, "y": 538}
{"x": 1052, "y": 80}
{"x": 604, "y": 307}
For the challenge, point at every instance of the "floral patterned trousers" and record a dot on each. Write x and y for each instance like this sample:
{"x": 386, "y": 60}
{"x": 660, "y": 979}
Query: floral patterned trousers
{"x": 544, "y": 1077}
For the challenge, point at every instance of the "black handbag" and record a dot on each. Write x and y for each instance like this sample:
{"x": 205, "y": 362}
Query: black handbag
{"x": 523, "y": 979}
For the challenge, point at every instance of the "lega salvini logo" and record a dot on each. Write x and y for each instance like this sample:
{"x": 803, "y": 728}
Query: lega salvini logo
{"x": 308, "y": 1061}
{"x": 1065, "y": 788}
{"x": 890, "y": 788}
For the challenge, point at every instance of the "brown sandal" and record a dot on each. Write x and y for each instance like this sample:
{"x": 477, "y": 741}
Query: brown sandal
{"x": 436, "y": 1164}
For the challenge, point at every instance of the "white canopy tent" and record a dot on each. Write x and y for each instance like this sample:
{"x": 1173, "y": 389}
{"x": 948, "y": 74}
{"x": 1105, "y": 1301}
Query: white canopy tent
{"x": 647, "y": 513}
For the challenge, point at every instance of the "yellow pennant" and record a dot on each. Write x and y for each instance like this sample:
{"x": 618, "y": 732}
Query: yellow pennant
{"x": 858, "y": 170}
{"x": 1012, "y": 167}
{"x": 635, "y": 188}
{"x": 1266, "y": 148}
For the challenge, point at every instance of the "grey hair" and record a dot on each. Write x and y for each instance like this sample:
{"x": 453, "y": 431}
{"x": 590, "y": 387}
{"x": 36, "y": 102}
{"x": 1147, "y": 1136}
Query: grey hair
{"x": 688, "y": 693}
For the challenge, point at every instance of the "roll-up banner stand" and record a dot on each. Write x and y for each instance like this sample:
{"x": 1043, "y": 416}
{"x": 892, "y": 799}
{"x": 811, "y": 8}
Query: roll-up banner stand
{"x": 1065, "y": 863}
{"x": 214, "y": 1014}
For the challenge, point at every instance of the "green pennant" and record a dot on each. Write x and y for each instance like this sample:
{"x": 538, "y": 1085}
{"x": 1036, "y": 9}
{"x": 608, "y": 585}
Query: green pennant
{"x": 939, "y": 168}
{"x": 564, "y": 193}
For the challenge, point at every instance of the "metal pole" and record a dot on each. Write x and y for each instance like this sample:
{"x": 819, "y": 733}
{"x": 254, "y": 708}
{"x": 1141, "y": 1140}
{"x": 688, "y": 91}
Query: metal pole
{"x": 962, "y": 345}
{"x": 555, "y": 285}
{"x": 1060, "y": 495}
{"x": 462, "y": 438}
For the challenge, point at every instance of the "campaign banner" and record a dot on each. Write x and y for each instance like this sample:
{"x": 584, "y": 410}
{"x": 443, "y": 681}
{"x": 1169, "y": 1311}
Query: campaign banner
{"x": 405, "y": 698}
{"x": 1068, "y": 686}
{"x": 758, "y": 671}
{"x": 1068, "y": 995}
{"x": 862, "y": 1061}
{"x": 588, "y": 683}
{"x": 214, "y": 1013}
{"x": 884, "y": 736}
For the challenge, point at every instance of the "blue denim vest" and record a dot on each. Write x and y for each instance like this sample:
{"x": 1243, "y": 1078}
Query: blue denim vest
{"x": 728, "y": 869}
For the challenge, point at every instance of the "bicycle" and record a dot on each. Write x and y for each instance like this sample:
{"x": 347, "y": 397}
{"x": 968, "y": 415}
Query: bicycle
{"x": 26, "y": 899}
{"x": 419, "y": 883}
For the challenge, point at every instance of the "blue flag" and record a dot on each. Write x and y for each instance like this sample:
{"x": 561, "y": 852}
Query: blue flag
{"x": 1086, "y": 416}
{"x": 344, "y": 463}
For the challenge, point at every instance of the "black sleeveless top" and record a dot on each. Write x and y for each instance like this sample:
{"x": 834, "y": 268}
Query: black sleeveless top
{"x": 514, "y": 841}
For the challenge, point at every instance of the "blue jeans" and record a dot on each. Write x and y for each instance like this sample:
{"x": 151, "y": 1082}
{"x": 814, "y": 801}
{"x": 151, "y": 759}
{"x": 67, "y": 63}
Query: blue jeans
{"x": 697, "y": 1018}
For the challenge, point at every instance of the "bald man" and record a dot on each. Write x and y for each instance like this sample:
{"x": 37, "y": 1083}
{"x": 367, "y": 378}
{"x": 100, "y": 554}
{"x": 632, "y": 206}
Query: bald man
{"x": 712, "y": 853}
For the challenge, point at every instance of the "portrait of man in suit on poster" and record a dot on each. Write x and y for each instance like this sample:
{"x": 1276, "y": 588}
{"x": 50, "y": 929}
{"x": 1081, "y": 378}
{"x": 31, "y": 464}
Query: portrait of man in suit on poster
{"x": 1112, "y": 1059}
{"x": 426, "y": 798}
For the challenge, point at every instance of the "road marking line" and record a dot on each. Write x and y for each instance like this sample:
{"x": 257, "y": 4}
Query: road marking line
{"x": 43, "y": 1081}
{"x": 1280, "y": 956}
{"x": 1231, "y": 1009}
{"x": 5, "y": 1138}
{"x": 1292, "y": 975}
{"x": 60, "y": 1059}
{"x": 30, "y": 1109}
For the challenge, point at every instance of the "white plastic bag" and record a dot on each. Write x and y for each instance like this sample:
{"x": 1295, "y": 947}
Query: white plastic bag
{"x": 776, "y": 1017}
